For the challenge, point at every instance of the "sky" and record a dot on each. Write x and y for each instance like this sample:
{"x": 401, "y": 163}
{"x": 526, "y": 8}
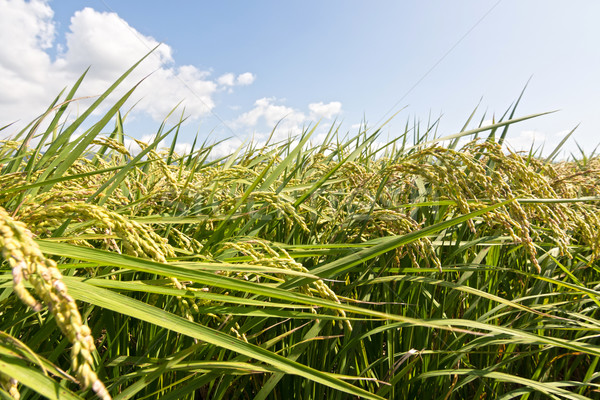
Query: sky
{"x": 238, "y": 68}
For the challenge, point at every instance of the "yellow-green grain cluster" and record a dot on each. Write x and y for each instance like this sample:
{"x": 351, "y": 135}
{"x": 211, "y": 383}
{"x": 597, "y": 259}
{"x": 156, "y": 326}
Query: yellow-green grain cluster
{"x": 29, "y": 264}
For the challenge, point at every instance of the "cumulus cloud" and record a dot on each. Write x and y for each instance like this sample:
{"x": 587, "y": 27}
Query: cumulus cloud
{"x": 525, "y": 140}
{"x": 108, "y": 43}
{"x": 269, "y": 112}
{"x": 247, "y": 78}
{"x": 229, "y": 79}
{"x": 322, "y": 110}
{"x": 183, "y": 148}
{"x": 26, "y": 30}
{"x": 226, "y": 148}
{"x": 30, "y": 79}
{"x": 265, "y": 109}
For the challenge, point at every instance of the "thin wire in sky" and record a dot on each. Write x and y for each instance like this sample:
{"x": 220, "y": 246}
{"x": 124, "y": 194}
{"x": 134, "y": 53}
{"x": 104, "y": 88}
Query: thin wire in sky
{"x": 463, "y": 37}
{"x": 137, "y": 36}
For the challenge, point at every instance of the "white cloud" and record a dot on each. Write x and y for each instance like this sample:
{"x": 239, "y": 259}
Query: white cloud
{"x": 225, "y": 148}
{"x": 26, "y": 30}
{"x": 525, "y": 140}
{"x": 183, "y": 148}
{"x": 322, "y": 110}
{"x": 227, "y": 80}
{"x": 109, "y": 44}
{"x": 288, "y": 120}
{"x": 247, "y": 78}
{"x": 30, "y": 79}
{"x": 266, "y": 110}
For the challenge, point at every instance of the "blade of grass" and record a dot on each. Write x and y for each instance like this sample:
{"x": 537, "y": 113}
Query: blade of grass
{"x": 136, "y": 309}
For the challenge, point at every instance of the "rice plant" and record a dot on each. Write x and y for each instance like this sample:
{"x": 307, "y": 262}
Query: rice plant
{"x": 294, "y": 270}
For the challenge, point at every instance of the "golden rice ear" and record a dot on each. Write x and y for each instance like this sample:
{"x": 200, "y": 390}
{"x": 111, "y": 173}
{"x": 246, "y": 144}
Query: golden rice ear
{"x": 28, "y": 262}
{"x": 137, "y": 239}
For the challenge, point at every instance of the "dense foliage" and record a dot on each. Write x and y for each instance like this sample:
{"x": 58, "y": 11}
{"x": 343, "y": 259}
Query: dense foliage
{"x": 295, "y": 270}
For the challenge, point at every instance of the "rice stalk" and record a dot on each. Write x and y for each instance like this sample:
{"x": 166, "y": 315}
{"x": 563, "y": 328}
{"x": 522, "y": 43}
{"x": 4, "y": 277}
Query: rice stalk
{"x": 29, "y": 264}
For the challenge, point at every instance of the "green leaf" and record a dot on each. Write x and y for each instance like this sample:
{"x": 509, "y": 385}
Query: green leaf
{"x": 136, "y": 309}
{"x": 34, "y": 379}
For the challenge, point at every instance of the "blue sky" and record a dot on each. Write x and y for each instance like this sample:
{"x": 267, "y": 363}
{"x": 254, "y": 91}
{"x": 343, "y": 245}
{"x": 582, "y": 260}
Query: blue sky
{"x": 253, "y": 63}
